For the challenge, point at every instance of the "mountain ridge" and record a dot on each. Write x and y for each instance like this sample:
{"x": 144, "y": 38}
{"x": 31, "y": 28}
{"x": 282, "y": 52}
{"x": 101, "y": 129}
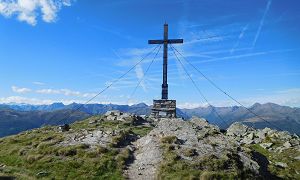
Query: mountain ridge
{"x": 286, "y": 118}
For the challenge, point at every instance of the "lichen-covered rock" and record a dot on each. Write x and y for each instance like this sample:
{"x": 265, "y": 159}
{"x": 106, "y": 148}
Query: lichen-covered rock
{"x": 287, "y": 144}
{"x": 261, "y": 135}
{"x": 248, "y": 163}
{"x": 266, "y": 145}
{"x": 238, "y": 129}
{"x": 199, "y": 121}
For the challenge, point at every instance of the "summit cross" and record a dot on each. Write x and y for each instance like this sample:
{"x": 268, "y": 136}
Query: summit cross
{"x": 165, "y": 41}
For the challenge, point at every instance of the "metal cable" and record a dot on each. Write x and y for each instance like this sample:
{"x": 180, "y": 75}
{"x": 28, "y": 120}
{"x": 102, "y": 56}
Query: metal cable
{"x": 216, "y": 86}
{"x": 194, "y": 83}
{"x": 138, "y": 84}
{"x": 107, "y": 87}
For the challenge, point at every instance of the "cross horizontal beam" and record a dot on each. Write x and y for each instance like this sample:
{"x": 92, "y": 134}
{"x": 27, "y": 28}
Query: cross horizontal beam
{"x": 169, "y": 41}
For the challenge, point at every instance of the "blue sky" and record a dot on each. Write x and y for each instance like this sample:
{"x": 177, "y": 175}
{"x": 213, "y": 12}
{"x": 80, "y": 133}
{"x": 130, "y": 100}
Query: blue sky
{"x": 67, "y": 51}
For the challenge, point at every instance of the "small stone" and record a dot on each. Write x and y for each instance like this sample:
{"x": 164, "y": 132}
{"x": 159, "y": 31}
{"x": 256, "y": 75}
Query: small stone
{"x": 295, "y": 136}
{"x": 111, "y": 118}
{"x": 113, "y": 113}
{"x": 92, "y": 121}
{"x": 64, "y": 128}
{"x": 287, "y": 144}
{"x": 266, "y": 130}
{"x": 297, "y": 158}
{"x": 251, "y": 136}
{"x": 266, "y": 145}
{"x": 42, "y": 173}
{"x": 281, "y": 164}
{"x": 247, "y": 141}
{"x": 261, "y": 135}
{"x": 131, "y": 148}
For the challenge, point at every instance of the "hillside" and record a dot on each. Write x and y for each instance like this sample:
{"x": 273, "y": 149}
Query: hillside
{"x": 121, "y": 145}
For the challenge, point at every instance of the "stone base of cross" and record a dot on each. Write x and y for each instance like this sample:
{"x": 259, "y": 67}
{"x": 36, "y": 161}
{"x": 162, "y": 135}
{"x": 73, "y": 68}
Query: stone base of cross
{"x": 164, "y": 108}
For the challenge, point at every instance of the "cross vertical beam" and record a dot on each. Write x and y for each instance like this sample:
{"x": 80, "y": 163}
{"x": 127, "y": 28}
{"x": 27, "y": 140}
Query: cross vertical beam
{"x": 165, "y": 41}
{"x": 164, "y": 93}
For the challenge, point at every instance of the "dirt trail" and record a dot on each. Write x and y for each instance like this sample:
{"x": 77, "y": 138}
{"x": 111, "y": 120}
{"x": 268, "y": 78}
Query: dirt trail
{"x": 147, "y": 156}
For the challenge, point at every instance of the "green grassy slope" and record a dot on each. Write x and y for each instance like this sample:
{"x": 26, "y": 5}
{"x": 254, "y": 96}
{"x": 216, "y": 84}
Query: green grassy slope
{"x": 38, "y": 153}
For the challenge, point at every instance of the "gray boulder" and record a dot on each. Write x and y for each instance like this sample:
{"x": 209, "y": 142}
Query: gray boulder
{"x": 249, "y": 163}
{"x": 281, "y": 164}
{"x": 238, "y": 129}
{"x": 199, "y": 121}
{"x": 266, "y": 145}
{"x": 287, "y": 144}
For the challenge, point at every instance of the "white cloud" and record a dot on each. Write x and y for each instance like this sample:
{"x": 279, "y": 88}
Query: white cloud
{"x": 247, "y": 55}
{"x": 188, "y": 105}
{"x": 245, "y": 28}
{"x": 140, "y": 76}
{"x": 290, "y": 91}
{"x": 48, "y": 91}
{"x": 66, "y": 92}
{"x": 89, "y": 94}
{"x": 262, "y": 21}
{"x": 37, "y": 101}
{"x": 69, "y": 92}
{"x": 19, "y": 100}
{"x": 29, "y": 10}
{"x": 38, "y": 83}
{"x": 20, "y": 90}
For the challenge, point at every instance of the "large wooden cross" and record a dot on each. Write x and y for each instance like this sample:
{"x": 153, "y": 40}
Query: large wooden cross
{"x": 165, "y": 41}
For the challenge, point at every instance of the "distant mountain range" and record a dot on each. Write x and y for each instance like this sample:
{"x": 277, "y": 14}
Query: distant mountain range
{"x": 14, "y": 121}
{"x": 15, "y": 118}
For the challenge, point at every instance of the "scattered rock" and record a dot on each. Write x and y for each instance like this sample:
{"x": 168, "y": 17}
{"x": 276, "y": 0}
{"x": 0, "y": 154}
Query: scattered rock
{"x": 287, "y": 144}
{"x": 93, "y": 121}
{"x": 248, "y": 163}
{"x": 251, "y": 136}
{"x": 283, "y": 135}
{"x": 113, "y": 113}
{"x": 42, "y": 173}
{"x": 238, "y": 129}
{"x": 111, "y": 118}
{"x": 247, "y": 141}
{"x": 261, "y": 135}
{"x": 199, "y": 121}
{"x": 266, "y": 145}
{"x": 280, "y": 149}
{"x": 96, "y": 137}
{"x": 267, "y": 131}
{"x": 64, "y": 128}
{"x": 281, "y": 164}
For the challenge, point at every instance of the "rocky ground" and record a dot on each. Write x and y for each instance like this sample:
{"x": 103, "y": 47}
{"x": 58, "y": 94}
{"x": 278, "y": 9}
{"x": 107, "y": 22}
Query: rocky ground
{"x": 121, "y": 145}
